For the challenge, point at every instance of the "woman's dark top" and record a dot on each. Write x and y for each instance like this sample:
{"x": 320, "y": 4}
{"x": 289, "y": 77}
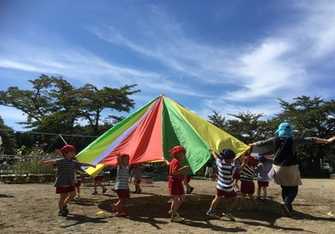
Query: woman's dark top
{"x": 285, "y": 149}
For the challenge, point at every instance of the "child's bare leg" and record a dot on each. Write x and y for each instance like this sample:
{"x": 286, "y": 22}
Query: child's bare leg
{"x": 78, "y": 191}
{"x": 232, "y": 203}
{"x": 103, "y": 187}
{"x": 173, "y": 205}
{"x": 258, "y": 192}
{"x": 122, "y": 208}
{"x": 62, "y": 198}
{"x": 137, "y": 187}
{"x": 69, "y": 197}
{"x": 265, "y": 195}
{"x": 95, "y": 187}
{"x": 215, "y": 202}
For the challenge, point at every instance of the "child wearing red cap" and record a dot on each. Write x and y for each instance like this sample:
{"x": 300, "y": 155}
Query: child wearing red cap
{"x": 65, "y": 176}
{"x": 248, "y": 175}
{"x": 175, "y": 182}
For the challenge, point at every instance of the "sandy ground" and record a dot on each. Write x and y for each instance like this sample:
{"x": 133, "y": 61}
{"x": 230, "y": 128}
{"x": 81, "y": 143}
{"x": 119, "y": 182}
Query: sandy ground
{"x": 32, "y": 208}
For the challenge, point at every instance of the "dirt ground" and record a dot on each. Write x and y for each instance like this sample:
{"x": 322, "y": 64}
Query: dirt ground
{"x": 32, "y": 208}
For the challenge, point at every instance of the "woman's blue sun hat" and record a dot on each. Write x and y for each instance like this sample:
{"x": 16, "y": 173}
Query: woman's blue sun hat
{"x": 284, "y": 130}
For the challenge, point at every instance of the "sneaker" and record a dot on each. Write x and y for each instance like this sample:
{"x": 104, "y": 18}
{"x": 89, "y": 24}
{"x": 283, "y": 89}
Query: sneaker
{"x": 190, "y": 190}
{"x": 115, "y": 208}
{"x": 287, "y": 210}
{"x": 63, "y": 212}
{"x": 120, "y": 214}
{"x": 230, "y": 216}
{"x": 212, "y": 213}
{"x": 177, "y": 219}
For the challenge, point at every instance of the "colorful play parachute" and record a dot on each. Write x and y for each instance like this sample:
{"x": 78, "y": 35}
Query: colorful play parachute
{"x": 149, "y": 133}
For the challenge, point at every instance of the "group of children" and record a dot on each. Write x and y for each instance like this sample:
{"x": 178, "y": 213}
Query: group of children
{"x": 229, "y": 172}
{"x": 67, "y": 186}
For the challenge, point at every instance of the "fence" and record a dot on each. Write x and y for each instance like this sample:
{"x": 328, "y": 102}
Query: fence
{"x": 24, "y": 169}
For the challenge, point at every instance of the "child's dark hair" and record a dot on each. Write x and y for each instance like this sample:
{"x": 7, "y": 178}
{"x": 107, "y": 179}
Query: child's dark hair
{"x": 227, "y": 154}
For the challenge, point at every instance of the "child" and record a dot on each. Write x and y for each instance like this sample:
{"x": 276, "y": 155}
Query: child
{"x": 175, "y": 182}
{"x": 136, "y": 174}
{"x": 65, "y": 177}
{"x": 225, "y": 182}
{"x": 236, "y": 175}
{"x": 188, "y": 187}
{"x": 98, "y": 182}
{"x": 263, "y": 179}
{"x": 121, "y": 185}
{"x": 79, "y": 180}
{"x": 209, "y": 169}
{"x": 248, "y": 174}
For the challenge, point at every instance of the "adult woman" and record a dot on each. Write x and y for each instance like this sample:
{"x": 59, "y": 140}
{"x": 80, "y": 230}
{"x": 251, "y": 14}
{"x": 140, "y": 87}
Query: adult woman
{"x": 285, "y": 170}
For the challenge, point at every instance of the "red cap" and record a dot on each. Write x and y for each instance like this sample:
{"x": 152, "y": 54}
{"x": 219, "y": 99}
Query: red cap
{"x": 251, "y": 161}
{"x": 177, "y": 149}
{"x": 67, "y": 148}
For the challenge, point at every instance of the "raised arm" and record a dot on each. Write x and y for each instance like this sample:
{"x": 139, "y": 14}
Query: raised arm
{"x": 331, "y": 140}
{"x": 263, "y": 142}
{"x": 316, "y": 140}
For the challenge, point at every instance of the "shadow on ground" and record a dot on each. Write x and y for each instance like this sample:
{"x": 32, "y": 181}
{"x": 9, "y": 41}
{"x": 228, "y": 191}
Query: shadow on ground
{"x": 150, "y": 208}
{"x": 81, "y": 219}
{"x": 6, "y": 196}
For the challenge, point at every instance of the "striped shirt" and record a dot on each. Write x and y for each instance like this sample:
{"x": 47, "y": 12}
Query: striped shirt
{"x": 248, "y": 173}
{"x": 225, "y": 180}
{"x": 122, "y": 178}
{"x": 66, "y": 170}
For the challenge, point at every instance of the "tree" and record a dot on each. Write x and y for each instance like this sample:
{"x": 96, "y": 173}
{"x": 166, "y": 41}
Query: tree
{"x": 55, "y": 105}
{"x": 94, "y": 101}
{"x": 311, "y": 117}
{"x": 217, "y": 119}
{"x": 7, "y": 137}
{"x": 246, "y": 126}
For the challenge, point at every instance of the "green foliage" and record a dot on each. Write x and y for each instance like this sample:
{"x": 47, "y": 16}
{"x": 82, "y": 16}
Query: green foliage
{"x": 247, "y": 126}
{"x": 309, "y": 117}
{"x": 31, "y": 166}
{"x": 29, "y": 163}
{"x": 8, "y": 140}
{"x": 55, "y": 105}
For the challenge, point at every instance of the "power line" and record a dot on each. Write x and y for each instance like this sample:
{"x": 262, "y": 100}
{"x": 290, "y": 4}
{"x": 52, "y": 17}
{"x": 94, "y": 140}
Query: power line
{"x": 49, "y": 133}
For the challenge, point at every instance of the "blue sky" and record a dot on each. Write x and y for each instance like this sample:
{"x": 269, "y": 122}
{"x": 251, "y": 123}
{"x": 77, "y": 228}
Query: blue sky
{"x": 228, "y": 56}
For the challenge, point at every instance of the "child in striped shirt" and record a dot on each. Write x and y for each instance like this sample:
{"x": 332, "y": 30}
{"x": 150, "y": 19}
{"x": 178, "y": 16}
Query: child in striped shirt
{"x": 248, "y": 174}
{"x": 121, "y": 185}
{"x": 225, "y": 181}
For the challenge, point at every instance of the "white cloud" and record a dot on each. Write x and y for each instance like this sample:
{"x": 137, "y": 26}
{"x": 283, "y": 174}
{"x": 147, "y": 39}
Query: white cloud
{"x": 272, "y": 67}
{"x": 12, "y": 114}
{"x": 259, "y": 72}
{"x": 84, "y": 66}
